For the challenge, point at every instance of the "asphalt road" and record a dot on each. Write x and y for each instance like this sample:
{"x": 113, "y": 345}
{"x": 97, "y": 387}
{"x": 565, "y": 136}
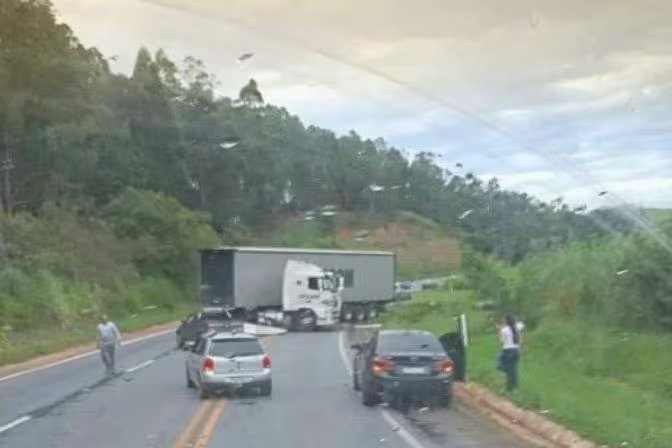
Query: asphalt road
{"x": 313, "y": 404}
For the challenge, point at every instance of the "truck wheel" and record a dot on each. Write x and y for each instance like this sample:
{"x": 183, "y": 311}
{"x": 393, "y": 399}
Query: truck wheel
{"x": 288, "y": 321}
{"x": 306, "y": 320}
{"x": 355, "y": 382}
{"x": 372, "y": 312}
{"x": 360, "y": 314}
{"x": 346, "y": 313}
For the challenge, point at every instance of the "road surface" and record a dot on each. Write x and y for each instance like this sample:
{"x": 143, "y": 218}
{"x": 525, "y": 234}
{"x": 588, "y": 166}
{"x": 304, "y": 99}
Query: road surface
{"x": 149, "y": 405}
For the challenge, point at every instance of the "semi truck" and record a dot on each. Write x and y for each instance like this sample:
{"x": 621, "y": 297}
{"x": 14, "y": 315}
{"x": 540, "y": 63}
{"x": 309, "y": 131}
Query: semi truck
{"x": 300, "y": 288}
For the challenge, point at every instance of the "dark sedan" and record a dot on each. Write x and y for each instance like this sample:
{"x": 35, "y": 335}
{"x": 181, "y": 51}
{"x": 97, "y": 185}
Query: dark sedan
{"x": 207, "y": 319}
{"x": 402, "y": 367}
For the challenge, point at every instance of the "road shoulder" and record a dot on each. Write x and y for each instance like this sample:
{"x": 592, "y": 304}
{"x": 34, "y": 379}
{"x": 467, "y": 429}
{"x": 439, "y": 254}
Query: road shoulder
{"x": 78, "y": 350}
{"x": 528, "y": 425}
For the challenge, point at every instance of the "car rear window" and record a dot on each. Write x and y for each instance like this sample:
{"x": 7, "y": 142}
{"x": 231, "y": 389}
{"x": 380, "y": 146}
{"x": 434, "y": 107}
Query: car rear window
{"x": 408, "y": 342}
{"x": 235, "y": 347}
{"x": 214, "y": 316}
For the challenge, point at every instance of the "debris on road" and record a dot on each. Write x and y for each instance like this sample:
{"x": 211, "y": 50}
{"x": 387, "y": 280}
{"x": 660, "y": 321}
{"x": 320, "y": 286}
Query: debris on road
{"x": 465, "y": 214}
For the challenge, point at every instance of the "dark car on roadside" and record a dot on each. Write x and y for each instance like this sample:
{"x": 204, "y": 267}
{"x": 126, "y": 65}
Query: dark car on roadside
{"x": 206, "y": 320}
{"x": 401, "y": 367}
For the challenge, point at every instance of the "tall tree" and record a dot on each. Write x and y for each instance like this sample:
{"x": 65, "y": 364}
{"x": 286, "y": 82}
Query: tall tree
{"x": 250, "y": 94}
{"x": 153, "y": 127}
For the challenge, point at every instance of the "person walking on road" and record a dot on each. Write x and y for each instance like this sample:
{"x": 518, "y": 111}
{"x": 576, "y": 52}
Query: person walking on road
{"x": 511, "y": 339}
{"x": 108, "y": 339}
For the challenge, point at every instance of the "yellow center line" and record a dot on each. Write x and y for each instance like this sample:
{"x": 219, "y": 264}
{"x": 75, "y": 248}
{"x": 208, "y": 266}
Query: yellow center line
{"x": 210, "y": 424}
{"x": 183, "y": 437}
{"x": 198, "y": 431}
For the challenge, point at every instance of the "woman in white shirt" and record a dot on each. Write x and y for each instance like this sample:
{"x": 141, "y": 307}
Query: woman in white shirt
{"x": 511, "y": 339}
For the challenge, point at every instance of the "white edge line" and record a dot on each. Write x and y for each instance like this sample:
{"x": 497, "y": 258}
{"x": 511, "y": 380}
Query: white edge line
{"x": 344, "y": 353}
{"x": 142, "y": 365}
{"x": 400, "y": 430}
{"x": 80, "y": 356}
{"x": 15, "y": 423}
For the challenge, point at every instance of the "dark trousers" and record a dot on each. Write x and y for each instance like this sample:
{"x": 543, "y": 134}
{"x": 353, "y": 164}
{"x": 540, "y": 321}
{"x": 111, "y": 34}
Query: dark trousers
{"x": 107, "y": 353}
{"x": 509, "y": 364}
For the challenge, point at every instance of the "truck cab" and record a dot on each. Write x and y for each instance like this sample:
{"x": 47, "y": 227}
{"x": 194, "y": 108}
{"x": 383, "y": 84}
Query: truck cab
{"x": 311, "y": 296}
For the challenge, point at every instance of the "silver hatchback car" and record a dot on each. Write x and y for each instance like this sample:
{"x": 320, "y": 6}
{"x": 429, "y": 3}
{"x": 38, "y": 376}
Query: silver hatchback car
{"x": 228, "y": 362}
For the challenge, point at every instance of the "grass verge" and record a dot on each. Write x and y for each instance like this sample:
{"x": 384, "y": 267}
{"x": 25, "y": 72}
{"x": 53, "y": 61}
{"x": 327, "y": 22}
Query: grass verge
{"x": 22, "y": 346}
{"x": 609, "y": 386}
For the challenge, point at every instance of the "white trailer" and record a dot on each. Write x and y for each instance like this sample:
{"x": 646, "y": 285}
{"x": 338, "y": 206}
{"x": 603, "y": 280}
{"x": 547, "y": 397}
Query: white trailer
{"x": 301, "y": 286}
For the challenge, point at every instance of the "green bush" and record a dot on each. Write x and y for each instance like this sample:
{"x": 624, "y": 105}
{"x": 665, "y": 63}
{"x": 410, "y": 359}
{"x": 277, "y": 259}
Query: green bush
{"x": 578, "y": 369}
{"x": 624, "y": 280}
{"x": 306, "y": 234}
{"x": 165, "y": 234}
{"x": 644, "y": 292}
{"x": 576, "y": 279}
{"x": 64, "y": 244}
{"x": 493, "y": 281}
{"x": 61, "y": 270}
{"x": 415, "y": 311}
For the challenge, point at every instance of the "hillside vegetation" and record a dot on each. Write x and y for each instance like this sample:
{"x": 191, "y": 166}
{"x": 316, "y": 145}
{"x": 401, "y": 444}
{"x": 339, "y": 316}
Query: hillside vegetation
{"x": 608, "y": 383}
{"x": 109, "y": 183}
{"x": 597, "y": 346}
{"x": 422, "y": 248}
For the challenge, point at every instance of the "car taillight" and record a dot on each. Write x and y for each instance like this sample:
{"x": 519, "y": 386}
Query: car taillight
{"x": 380, "y": 365}
{"x": 208, "y": 364}
{"x": 444, "y": 366}
{"x": 266, "y": 362}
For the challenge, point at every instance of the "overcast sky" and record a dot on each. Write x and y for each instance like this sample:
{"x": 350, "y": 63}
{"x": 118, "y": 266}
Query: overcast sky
{"x": 556, "y": 98}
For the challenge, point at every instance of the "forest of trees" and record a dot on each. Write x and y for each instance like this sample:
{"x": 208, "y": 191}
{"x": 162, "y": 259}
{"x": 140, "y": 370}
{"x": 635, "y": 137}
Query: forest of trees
{"x": 141, "y": 170}
{"x": 75, "y": 135}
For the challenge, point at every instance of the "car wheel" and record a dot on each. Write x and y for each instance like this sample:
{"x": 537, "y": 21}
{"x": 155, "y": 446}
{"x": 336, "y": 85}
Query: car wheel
{"x": 355, "y": 382}
{"x": 179, "y": 341}
{"x": 307, "y": 321}
{"x": 446, "y": 401}
{"x": 190, "y": 384}
{"x": 369, "y": 397}
{"x": 267, "y": 389}
{"x": 203, "y": 394}
{"x": 404, "y": 404}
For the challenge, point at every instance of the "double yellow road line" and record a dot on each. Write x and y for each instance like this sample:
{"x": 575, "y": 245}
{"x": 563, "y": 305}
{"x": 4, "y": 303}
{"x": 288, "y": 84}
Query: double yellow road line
{"x": 200, "y": 427}
{"x": 198, "y": 430}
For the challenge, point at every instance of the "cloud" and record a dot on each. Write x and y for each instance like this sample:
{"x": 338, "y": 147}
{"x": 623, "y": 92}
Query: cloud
{"x": 520, "y": 90}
